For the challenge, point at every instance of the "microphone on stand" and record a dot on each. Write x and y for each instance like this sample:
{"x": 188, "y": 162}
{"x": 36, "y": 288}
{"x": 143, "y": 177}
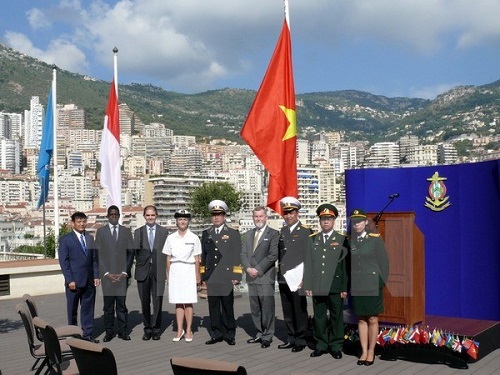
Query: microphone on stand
{"x": 377, "y": 218}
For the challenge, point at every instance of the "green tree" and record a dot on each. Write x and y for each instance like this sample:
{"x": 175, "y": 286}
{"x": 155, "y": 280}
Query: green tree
{"x": 51, "y": 239}
{"x": 207, "y": 192}
{"x": 463, "y": 147}
{"x": 30, "y": 249}
{"x": 492, "y": 146}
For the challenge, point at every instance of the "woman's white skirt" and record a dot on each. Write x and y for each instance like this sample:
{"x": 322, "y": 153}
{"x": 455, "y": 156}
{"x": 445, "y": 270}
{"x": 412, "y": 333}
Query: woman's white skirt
{"x": 182, "y": 283}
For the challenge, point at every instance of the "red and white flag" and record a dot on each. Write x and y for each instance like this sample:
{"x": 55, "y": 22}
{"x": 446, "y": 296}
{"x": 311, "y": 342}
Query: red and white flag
{"x": 109, "y": 154}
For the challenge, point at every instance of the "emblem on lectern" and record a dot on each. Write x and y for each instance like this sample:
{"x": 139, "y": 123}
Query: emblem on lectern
{"x": 437, "y": 199}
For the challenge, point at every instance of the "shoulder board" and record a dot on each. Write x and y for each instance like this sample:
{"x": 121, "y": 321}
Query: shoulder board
{"x": 304, "y": 226}
{"x": 315, "y": 233}
{"x": 374, "y": 234}
{"x": 342, "y": 234}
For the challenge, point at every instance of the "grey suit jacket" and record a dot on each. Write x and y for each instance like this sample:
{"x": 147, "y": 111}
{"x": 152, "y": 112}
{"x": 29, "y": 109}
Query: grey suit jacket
{"x": 264, "y": 257}
{"x": 114, "y": 257}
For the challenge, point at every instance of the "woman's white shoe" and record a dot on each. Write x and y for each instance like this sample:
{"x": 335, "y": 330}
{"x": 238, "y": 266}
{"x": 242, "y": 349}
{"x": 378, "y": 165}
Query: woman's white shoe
{"x": 177, "y": 339}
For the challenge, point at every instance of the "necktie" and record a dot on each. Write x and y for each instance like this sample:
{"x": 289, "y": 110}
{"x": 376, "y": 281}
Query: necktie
{"x": 256, "y": 239}
{"x": 82, "y": 240}
{"x": 151, "y": 238}
{"x": 360, "y": 238}
{"x": 326, "y": 237}
{"x": 217, "y": 231}
{"x": 115, "y": 234}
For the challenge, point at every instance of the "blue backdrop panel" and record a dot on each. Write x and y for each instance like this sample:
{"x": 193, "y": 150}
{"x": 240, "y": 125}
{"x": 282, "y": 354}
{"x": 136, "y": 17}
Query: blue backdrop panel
{"x": 462, "y": 242}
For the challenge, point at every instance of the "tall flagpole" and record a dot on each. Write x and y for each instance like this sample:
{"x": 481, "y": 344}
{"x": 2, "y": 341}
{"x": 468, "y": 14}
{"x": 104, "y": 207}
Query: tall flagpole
{"x": 54, "y": 156}
{"x": 115, "y": 78}
{"x": 287, "y": 16}
{"x": 115, "y": 70}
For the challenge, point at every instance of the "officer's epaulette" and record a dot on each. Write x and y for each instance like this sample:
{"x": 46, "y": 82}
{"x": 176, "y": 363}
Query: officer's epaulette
{"x": 315, "y": 233}
{"x": 342, "y": 234}
{"x": 374, "y": 234}
{"x": 306, "y": 227}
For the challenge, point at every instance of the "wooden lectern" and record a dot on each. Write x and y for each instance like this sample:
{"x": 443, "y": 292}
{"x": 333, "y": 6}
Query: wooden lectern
{"x": 404, "y": 294}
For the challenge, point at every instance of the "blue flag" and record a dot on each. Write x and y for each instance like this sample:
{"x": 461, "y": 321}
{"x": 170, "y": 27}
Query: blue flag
{"x": 46, "y": 149}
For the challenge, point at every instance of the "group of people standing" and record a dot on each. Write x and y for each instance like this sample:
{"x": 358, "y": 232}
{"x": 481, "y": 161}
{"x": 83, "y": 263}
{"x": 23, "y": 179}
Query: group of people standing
{"x": 87, "y": 263}
{"x": 326, "y": 266}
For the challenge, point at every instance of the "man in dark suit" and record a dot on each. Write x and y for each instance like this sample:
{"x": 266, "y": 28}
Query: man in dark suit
{"x": 220, "y": 269}
{"x": 115, "y": 246}
{"x": 325, "y": 280}
{"x": 150, "y": 271}
{"x": 78, "y": 260}
{"x": 293, "y": 246}
{"x": 258, "y": 258}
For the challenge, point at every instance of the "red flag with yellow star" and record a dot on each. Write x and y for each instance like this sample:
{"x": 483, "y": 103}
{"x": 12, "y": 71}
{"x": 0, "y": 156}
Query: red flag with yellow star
{"x": 271, "y": 127}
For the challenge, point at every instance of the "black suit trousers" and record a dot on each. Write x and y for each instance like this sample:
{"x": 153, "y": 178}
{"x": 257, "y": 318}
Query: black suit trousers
{"x": 149, "y": 293}
{"x": 222, "y": 322}
{"x": 115, "y": 300}
{"x": 294, "y": 306}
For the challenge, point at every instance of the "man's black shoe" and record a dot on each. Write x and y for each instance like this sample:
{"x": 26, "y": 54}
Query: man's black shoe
{"x": 265, "y": 344}
{"x": 317, "y": 353}
{"x": 108, "y": 337}
{"x": 124, "y": 336}
{"x": 337, "y": 354}
{"x": 213, "y": 341}
{"x": 298, "y": 348}
{"x": 286, "y": 345}
{"x": 156, "y": 336}
{"x": 254, "y": 340}
{"x": 91, "y": 339}
{"x": 230, "y": 341}
{"x": 146, "y": 336}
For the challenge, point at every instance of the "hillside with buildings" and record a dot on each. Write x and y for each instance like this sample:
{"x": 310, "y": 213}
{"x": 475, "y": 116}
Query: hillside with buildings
{"x": 171, "y": 143}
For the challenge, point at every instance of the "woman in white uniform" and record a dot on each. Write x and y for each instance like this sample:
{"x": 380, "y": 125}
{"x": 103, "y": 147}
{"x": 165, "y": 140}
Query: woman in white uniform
{"x": 183, "y": 249}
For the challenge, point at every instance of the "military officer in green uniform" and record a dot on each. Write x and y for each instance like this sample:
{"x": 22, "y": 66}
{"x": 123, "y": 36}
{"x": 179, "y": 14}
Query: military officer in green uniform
{"x": 369, "y": 273}
{"x": 325, "y": 280}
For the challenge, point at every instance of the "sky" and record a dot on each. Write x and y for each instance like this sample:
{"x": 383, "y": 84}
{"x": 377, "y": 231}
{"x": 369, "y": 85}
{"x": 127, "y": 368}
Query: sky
{"x": 395, "y": 48}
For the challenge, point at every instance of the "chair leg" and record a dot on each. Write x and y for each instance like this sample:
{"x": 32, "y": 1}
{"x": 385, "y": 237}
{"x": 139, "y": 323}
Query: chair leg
{"x": 42, "y": 365}
{"x": 34, "y": 364}
{"x": 53, "y": 371}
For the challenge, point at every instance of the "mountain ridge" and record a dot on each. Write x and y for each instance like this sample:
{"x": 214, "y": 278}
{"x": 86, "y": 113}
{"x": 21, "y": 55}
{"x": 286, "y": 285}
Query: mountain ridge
{"x": 221, "y": 113}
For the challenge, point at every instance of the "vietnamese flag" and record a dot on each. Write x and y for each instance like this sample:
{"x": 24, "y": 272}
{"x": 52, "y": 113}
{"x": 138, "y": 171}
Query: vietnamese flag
{"x": 271, "y": 127}
{"x": 424, "y": 336}
{"x": 109, "y": 154}
{"x": 473, "y": 350}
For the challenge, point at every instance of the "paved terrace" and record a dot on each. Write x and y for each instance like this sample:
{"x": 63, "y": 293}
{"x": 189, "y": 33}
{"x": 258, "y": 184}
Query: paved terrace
{"x": 152, "y": 357}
